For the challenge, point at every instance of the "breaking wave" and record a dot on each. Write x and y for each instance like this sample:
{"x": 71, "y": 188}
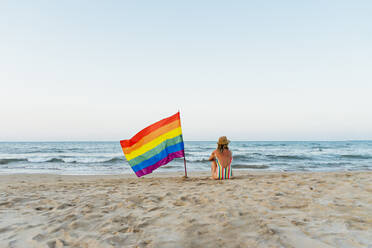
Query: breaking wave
{"x": 288, "y": 157}
{"x": 249, "y": 166}
{"x": 11, "y": 160}
{"x": 356, "y": 156}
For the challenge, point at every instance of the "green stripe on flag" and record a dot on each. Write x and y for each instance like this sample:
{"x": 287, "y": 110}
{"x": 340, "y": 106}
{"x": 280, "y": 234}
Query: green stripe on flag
{"x": 155, "y": 150}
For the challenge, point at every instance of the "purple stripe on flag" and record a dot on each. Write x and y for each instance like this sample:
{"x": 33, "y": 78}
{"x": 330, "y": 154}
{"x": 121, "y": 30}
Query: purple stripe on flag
{"x": 170, "y": 157}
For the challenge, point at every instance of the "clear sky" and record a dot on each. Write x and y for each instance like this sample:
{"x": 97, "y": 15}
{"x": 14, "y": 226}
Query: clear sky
{"x": 251, "y": 70}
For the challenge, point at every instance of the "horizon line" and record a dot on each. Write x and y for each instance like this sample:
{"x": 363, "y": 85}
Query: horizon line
{"x": 81, "y": 141}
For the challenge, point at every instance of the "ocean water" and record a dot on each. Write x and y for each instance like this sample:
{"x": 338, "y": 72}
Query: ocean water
{"x": 96, "y": 158}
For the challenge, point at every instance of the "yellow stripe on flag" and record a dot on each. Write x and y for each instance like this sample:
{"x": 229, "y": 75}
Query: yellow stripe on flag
{"x": 155, "y": 142}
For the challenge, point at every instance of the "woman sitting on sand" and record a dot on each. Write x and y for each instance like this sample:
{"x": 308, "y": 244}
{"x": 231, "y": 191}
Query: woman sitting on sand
{"x": 221, "y": 160}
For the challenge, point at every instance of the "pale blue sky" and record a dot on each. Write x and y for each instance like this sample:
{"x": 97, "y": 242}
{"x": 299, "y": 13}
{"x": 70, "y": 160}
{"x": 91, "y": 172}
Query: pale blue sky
{"x": 251, "y": 70}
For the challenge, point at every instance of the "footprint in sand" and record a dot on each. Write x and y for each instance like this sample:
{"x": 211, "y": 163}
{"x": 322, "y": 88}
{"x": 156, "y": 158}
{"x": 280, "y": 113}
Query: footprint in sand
{"x": 154, "y": 209}
{"x": 117, "y": 240}
{"x": 179, "y": 203}
{"x": 39, "y": 237}
{"x": 43, "y": 208}
{"x": 5, "y": 229}
{"x": 6, "y": 204}
{"x": 154, "y": 199}
{"x": 57, "y": 243}
{"x": 65, "y": 205}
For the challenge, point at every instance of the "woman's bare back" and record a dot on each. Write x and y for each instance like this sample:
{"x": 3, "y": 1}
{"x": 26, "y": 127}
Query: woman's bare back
{"x": 223, "y": 157}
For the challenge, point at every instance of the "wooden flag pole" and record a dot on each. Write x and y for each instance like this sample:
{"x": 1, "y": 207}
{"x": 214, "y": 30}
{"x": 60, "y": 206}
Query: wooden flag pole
{"x": 184, "y": 162}
{"x": 184, "y": 157}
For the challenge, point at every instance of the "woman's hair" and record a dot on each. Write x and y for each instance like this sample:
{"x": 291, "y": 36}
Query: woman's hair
{"x": 221, "y": 147}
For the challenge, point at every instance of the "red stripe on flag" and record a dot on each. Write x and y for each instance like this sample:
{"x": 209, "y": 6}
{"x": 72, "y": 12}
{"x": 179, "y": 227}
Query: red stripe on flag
{"x": 149, "y": 129}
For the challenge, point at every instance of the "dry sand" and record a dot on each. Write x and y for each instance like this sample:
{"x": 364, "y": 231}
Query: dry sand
{"x": 165, "y": 210}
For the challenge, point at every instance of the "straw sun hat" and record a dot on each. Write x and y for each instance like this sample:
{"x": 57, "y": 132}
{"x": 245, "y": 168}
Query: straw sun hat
{"x": 223, "y": 141}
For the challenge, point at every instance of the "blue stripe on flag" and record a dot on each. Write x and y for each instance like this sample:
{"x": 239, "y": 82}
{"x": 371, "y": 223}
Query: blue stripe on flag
{"x": 164, "y": 153}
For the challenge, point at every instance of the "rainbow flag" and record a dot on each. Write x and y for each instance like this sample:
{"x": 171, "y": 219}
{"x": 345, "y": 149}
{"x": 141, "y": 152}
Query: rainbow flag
{"x": 154, "y": 146}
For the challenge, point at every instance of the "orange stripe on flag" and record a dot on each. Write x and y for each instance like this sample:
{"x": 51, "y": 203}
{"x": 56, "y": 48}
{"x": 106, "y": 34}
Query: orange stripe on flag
{"x": 152, "y": 136}
{"x": 148, "y": 130}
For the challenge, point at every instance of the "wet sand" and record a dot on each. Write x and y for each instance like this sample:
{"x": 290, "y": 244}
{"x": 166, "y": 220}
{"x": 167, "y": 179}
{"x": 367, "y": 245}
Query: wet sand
{"x": 255, "y": 209}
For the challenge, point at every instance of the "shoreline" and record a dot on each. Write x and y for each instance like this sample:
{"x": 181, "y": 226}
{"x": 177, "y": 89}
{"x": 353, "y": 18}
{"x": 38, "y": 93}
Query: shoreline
{"x": 255, "y": 209}
{"x": 194, "y": 173}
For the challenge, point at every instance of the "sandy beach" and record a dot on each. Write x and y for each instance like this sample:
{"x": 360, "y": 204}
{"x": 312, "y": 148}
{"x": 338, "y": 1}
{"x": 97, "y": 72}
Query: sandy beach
{"x": 165, "y": 210}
